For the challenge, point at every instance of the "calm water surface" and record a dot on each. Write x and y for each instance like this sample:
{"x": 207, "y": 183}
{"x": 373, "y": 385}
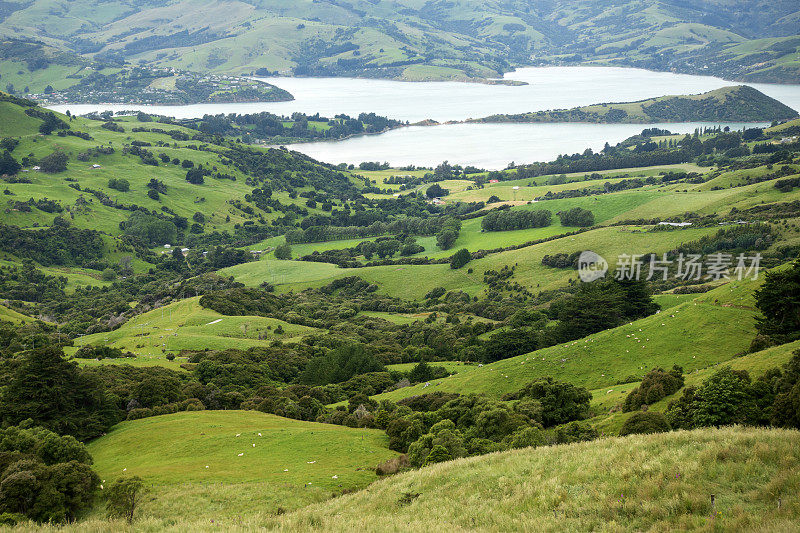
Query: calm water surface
{"x": 490, "y": 146}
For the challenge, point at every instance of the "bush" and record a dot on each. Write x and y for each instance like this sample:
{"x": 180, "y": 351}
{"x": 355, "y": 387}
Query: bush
{"x": 575, "y": 432}
{"x": 561, "y": 402}
{"x": 120, "y": 184}
{"x": 195, "y": 176}
{"x": 8, "y": 165}
{"x": 91, "y": 351}
{"x": 528, "y": 437}
{"x": 513, "y": 220}
{"x": 43, "y": 477}
{"x": 393, "y": 465}
{"x": 122, "y": 497}
{"x": 438, "y": 454}
{"x": 644, "y": 422}
{"x": 576, "y": 216}
{"x": 283, "y": 251}
{"x": 656, "y": 385}
{"x": 460, "y": 258}
{"x": 55, "y": 162}
{"x": 149, "y": 229}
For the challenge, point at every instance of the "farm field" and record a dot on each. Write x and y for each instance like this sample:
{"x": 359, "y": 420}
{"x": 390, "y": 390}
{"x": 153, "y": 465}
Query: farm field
{"x": 185, "y": 325}
{"x": 697, "y": 336}
{"x": 608, "y": 242}
{"x": 192, "y": 463}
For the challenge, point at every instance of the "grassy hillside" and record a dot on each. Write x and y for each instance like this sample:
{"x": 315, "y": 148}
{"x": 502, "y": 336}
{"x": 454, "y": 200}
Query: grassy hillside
{"x": 655, "y": 482}
{"x": 416, "y": 40}
{"x": 695, "y": 335}
{"x": 217, "y": 199}
{"x": 192, "y": 466}
{"x": 608, "y": 242}
{"x": 185, "y": 325}
{"x": 742, "y": 104}
{"x": 53, "y": 75}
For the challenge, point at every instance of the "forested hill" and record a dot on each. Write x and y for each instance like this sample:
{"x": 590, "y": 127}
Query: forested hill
{"x": 729, "y": 104}
{"x": 753, "y": 40}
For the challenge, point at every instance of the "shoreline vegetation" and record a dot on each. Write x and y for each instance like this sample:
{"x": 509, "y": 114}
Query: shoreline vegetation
{"x": 728, "y": 104}
{"x": 162, "y": 86}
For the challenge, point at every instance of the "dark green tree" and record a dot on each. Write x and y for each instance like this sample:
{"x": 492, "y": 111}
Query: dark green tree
{"x": 283, "y": 251}
{"x": 644, "y": 422}
{"x": 57, "y": 395}
{"x": 460, "y": 258}
{"x": 8, "y": 165}
{"x": 561, "y": 402}
{"x": 778, "y": 299}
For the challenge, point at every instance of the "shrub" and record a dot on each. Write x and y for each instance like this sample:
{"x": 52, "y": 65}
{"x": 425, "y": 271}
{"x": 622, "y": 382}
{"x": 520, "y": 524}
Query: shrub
{"x": 55, "y": 162}
{"x": 460, "y": 258}
{"x": 122, "y": 497}
{"x": 44, "y": 477}
{"x": 283, "y": 251}
{"x": 561, "y": 402}
{"x": 119, "y": 184}
{"x": 392, "y": 466}
{"x": 528, "y": 437}
{"x": 8, "y": 165}
{"x": 195, "y": 176}
{"x": 656, "y": 385}
{"x": 644, "y": 422}
{"x": 438, "y": 454}
{"x": 576, "y": 216}
{"x": 575, "y": 432}
{"x": 513, "y": 220}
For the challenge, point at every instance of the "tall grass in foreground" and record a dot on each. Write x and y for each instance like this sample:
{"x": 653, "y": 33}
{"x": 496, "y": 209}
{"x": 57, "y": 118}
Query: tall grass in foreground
{"x": 661, "y": 482}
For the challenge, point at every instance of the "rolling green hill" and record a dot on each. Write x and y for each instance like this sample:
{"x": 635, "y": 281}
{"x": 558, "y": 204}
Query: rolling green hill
{"x": 655, "y": 482}
{"x": 184, "y": 325}
{"x": 695, "y": 335}
{"x": 52, "y": 76}
{"x": 415, "y": 40}
{"x": 741, "y": 103}
{"x": 83, "y": 188}
{"x": 203, "y": 464}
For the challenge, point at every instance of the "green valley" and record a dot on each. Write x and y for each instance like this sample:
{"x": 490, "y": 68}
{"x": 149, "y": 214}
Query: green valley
{"x": 201, "y": 329}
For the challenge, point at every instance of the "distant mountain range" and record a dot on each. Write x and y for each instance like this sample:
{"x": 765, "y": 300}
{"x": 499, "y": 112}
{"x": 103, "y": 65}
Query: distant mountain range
{"x": 753, "y": 40}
